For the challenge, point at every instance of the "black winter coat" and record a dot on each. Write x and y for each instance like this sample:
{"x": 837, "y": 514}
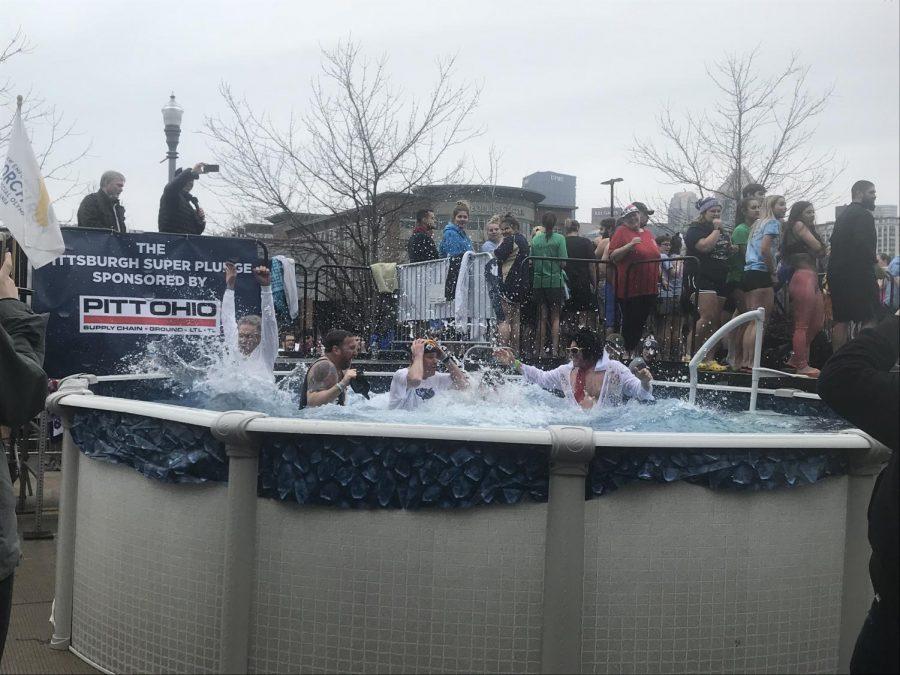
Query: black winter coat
{"x": 23, "y": 389}
{"x": 100, "y": 210}
{"x": 421, "y": 247}
{"x": 858, "y": 384}
{"x": 178, "y": 209}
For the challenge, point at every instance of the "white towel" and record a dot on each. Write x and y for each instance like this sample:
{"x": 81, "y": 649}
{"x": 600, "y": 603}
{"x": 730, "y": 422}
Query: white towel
{"x": 461, "y": 309}
{"x": 289, "y": 274}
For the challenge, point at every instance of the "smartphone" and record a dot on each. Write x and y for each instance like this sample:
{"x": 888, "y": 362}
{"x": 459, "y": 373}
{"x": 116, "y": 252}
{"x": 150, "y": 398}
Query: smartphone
{"x": 210, "y": 168}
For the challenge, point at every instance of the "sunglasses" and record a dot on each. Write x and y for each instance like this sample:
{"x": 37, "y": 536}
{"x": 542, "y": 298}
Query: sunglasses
{"x": 574, "y": 350}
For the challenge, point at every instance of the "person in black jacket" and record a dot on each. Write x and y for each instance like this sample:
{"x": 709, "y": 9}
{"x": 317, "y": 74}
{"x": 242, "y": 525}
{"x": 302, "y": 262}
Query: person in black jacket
{"x": 101, "y": 209}
{"x": 859, "y": 384}
{"x": 420, "y": 246}
{"x": 23, "y": 389}
{"x": 179, "y": 210}
{"x": 851, "y": 264}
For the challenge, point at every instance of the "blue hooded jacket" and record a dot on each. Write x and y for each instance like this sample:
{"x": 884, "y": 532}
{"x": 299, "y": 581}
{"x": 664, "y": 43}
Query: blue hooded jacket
{"x": 454, "y": 242}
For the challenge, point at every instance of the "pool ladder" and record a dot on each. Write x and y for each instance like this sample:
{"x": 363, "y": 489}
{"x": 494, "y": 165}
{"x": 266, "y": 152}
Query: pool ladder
{"x": 758, "y": 373}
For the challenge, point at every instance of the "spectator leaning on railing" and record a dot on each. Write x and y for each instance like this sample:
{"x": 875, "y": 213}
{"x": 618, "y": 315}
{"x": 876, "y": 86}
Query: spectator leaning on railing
{"x": 23, "y": 389}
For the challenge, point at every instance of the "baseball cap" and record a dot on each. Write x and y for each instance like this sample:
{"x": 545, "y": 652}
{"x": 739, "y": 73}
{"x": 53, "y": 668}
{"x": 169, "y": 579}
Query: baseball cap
{"x": 642, "y": 207}
{"x": 628, "y": 210}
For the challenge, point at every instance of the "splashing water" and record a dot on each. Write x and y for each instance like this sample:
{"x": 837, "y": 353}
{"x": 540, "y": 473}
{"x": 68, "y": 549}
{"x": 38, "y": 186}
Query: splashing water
{"x": 202, "y": 374}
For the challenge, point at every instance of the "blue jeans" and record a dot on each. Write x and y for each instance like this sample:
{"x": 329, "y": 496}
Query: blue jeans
{"x": 877, "y": 645}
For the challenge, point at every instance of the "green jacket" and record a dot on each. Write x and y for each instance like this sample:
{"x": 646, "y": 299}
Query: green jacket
{"x": 23, "y": 388}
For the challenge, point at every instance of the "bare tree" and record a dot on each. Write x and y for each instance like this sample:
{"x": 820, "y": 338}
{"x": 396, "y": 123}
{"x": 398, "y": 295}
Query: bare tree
{"x": 759, "y": 129}
{"x": 354, "y": 155}
{"x": 51, "y": 133}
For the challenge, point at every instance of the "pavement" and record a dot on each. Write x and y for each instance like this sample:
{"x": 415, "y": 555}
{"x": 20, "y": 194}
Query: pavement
{"x": 28, "y": 641}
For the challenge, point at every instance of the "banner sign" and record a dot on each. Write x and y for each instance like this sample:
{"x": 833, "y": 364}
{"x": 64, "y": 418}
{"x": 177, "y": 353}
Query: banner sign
{"x": 110, "y": 294}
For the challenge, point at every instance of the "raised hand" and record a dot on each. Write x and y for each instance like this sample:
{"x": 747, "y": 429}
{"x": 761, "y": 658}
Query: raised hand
{"x": 263, "y": 276}
{"x": 7, "y": 286}
{"x": 230, "y": 275}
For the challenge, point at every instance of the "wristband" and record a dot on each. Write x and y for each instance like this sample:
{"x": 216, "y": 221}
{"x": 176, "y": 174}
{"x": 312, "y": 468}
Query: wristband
{"x": 341, "y": 386}
{"x": 446, "y": 358}
{"x": 517, "y": 365}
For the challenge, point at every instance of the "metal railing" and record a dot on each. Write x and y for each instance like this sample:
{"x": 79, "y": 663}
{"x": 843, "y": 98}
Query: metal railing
{"x": 676, "y": 307}
{"x": 343, "y": 296}
{"x": 422, "y": 298}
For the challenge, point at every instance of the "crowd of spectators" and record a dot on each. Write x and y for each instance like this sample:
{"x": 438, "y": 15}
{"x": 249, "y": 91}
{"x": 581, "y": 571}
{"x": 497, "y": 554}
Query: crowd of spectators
{"x": 678, "y": 290}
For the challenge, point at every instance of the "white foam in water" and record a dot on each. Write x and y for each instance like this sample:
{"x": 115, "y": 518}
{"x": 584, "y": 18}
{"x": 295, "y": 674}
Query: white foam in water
{"x": 202, "y": 374}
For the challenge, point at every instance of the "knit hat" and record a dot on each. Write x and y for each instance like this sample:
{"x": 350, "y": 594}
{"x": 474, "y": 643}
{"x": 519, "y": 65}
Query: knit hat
{"x": 628, "y": 210}
{"x": 707, "y": 203}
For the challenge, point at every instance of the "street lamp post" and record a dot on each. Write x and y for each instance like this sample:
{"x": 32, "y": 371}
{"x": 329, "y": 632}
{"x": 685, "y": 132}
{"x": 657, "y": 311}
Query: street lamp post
{"x": 612, "y": 202}
{"x": 172, "y": 114}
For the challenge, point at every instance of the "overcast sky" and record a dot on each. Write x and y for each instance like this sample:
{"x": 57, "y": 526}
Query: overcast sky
{"x": 566, "y": 85}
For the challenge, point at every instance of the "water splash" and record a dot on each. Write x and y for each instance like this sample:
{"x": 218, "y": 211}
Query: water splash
{"x": 202, "y": 374}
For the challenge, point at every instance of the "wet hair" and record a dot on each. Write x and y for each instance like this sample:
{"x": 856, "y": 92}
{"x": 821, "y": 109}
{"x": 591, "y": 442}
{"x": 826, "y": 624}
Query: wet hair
{"x": 109, "y": 176}
{"x": 510, "y": 219}
{"x": 663, "y": 239}
{"x": 421, "y": 213}
{"x": 740, "y": 216}
{"x": 859, "y": 187}
{"x": 572, "y": 225}
{"x": 548, "y": 220}
{"x": 461, "y": 206}
{"x": 592, "y": 343}
{"x": 335, "y": 338}
{"x": 251, "y": 320}
{"x": 752, "y": 189}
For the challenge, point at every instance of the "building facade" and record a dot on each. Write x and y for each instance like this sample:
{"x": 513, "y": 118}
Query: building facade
{"x": 558, "y": 189}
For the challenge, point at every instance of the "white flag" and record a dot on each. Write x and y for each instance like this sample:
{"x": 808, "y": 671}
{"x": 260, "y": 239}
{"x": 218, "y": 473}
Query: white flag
{"x": 25, "y": 207}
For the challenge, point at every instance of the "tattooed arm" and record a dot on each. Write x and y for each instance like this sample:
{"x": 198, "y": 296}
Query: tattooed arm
{"x": 324, "y": 386}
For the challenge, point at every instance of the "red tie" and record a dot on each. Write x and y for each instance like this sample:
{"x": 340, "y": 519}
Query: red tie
{"x": 580, "y": 375}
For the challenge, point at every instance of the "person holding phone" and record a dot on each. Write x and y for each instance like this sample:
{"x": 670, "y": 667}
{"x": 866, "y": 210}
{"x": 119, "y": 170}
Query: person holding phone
{"x": 179, "y": 210}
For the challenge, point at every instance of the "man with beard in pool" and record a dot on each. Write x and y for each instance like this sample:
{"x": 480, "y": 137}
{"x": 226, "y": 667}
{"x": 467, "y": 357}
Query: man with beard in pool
{"x": 590, "y": 378}
{"x": 328, "y": 378}
{"x": 421, "y": 381}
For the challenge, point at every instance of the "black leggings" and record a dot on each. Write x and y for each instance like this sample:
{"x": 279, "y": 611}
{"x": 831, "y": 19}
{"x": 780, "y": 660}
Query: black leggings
{"x": 635, "y": 311}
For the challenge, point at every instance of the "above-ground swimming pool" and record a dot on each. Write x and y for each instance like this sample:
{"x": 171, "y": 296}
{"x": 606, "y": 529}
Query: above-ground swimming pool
{"x": 514, "y": 538}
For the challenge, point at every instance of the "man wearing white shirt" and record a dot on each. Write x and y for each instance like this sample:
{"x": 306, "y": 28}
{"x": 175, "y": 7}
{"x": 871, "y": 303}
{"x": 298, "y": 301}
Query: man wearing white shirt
{"x": 421, "y": 381}
{"x": 590, "y": 378}
{"x": 253, "y": 340}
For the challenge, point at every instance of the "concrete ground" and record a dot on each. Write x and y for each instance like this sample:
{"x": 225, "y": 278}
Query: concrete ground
{"x": 28, "y": 641}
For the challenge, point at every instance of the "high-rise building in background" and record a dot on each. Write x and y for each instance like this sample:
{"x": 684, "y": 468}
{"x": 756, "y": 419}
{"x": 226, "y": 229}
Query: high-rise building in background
{"x": 682, "y": 210}
{"x": 887, "y": 234}
{"x": 559, "y": 189}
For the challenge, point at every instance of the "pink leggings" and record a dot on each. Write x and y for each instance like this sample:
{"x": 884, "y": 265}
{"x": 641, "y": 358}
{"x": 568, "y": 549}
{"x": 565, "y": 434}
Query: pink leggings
{"x": 808, "y": 307}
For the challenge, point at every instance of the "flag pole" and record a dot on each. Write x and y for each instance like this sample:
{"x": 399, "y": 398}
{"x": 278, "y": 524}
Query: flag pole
{"x": 29, "y": 268}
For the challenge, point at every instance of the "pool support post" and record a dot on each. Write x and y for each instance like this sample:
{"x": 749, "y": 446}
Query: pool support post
{"x": 68, "y": 505}
{"x": 240, "y": 536}
{"x": 570, "y": 455}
